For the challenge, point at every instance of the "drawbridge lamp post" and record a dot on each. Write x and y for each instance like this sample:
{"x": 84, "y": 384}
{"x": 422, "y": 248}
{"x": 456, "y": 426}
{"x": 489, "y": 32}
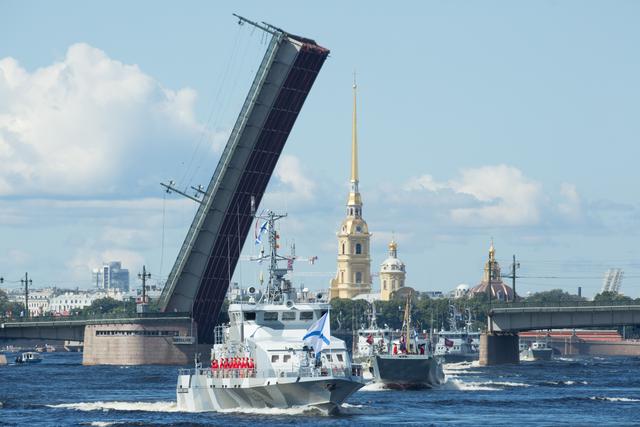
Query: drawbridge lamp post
{"x": 142, "y": 307}
{"x": 26, "y": 282}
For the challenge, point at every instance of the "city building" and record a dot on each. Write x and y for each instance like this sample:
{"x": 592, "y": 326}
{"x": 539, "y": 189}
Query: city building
{"x": 492, "y": 280}
{"x": 112, "y": 276}
{"x": 460, "y": 291}
{"x": 64, "y": 304}
{"x": 392, "y": 273}
{"x": 354, "y": 262}
{"x": 38, "y": 300}
{"x": 434, "y": 294}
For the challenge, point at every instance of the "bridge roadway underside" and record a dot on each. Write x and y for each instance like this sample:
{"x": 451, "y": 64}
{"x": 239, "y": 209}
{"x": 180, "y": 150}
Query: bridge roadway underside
{"x": 534, "y": 318}
{"x": 207, "y": 259}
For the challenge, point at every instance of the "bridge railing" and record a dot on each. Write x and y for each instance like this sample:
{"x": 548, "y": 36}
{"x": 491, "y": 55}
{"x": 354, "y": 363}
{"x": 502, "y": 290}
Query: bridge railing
{"x": 527, "y": 304}
{"x": 99, "y": 316}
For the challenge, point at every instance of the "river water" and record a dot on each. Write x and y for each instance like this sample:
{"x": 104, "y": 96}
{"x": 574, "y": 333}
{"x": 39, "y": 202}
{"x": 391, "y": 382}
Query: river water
{"x": 566, "y": 391}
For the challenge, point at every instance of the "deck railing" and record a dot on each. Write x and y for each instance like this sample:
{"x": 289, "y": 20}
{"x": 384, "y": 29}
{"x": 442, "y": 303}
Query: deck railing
{"x": 301, "y": 372}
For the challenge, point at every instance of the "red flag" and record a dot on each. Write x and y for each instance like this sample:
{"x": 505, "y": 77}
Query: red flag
{"x": 448, "y": 342}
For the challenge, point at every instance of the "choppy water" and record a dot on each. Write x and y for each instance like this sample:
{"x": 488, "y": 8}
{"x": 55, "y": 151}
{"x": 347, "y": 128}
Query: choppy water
{"x": 580, "y": 391}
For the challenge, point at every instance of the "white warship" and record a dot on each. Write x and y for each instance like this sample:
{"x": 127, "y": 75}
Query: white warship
{"x": 398, "y": 360}
{"x": 458, "y": 344}
{"x": 275, "y": 353}
{"x": 535, "y": 351}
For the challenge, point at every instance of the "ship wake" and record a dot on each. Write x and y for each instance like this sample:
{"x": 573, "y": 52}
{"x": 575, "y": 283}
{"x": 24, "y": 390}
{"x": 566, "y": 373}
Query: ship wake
{"x": 161, "y": 406}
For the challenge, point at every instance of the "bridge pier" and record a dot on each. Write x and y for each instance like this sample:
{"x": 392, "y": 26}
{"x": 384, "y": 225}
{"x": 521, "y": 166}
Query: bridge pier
{"x": 499, "y": 348}
{"x": 165, "y": 342}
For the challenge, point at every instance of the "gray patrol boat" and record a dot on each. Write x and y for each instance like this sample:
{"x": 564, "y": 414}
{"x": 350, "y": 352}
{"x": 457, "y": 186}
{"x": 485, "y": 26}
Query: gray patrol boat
{"x": 260, "y": 360}
{"x": 398, "y": 360}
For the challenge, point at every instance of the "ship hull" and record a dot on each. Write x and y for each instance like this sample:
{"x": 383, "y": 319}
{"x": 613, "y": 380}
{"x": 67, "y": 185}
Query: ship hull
{"x": 407, "y": 371}
{"x": 541, "y": 354}
{"x": 199, "y": 393}
{"x": 460, "y": 357}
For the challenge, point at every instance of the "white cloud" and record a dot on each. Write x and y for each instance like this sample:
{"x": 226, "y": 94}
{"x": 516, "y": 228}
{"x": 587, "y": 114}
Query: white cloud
{"x": 571, "y": 206}
{"x": 89, "y": 125}
{"x": 289, "y": 172}
{"x": 424, "y": 182}
{"x": 509, "y": 197}
{"x": 490, "y": 196}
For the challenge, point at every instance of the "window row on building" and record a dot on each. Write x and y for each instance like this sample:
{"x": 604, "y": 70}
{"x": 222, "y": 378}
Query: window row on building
{"x": 136, "y": 332}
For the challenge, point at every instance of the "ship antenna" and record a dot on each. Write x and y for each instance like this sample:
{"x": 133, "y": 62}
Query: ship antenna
{"x": 275, "y": 287}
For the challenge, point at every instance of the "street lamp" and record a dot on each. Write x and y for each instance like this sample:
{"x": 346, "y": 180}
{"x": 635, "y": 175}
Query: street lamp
{"x": 26, "y": 282}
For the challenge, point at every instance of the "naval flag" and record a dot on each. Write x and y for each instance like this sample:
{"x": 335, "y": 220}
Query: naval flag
{"x": 258, "y": 231}
{"x": 319, "y": 334}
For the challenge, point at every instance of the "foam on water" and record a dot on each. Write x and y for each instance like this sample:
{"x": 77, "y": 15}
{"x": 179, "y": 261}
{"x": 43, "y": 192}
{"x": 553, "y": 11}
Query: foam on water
{"x": 568, "y": 382}
{"x": 173, "y": 407}
{"x": 120, "y": 406}
{"x": 615, "y": 399}
{"x": 455, "y": 384}
{"x": 103, "y": 423}
{"x": 295, "y": 410}
{"x": 373, "y": 387}
{"x": 349, "y": 409}
{"x": 458, "y": 366}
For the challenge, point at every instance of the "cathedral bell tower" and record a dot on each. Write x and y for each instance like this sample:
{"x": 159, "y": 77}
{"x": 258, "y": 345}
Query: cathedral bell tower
{"x": 354, "y": 262}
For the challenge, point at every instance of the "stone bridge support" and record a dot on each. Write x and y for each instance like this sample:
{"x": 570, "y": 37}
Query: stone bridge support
{"x": 499, "y": 348}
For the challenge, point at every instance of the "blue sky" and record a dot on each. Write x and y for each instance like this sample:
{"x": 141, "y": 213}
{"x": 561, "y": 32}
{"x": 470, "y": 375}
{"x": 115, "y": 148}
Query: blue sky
{"x": 511, "y": 120}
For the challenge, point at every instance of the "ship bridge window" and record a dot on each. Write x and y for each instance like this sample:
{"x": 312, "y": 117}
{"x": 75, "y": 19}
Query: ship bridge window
{"x": 286, "y": 358}
{"x": 274, "y": 358}
{"x": 288, "y": 315}
{"x": 306, "y": 315}
{"x": 340, "y": 359}
{"x": 249, "y": 315}
{"x": 270, "y": 315}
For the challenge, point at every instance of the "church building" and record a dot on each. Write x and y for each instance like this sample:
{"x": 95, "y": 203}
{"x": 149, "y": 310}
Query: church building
{"x": 354, "y": 261}
{"x": 492, "y": 280}
{"x": 392, "y": 273}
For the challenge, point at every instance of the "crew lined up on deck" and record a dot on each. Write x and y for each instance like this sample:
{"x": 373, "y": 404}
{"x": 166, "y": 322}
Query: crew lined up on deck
{"x": 233, "y": 365}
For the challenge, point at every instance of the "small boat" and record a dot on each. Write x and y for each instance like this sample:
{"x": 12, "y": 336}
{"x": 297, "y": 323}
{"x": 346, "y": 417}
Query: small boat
{"x": 28, "y": 357}
{"x": 46, "y": 349}
{"x": 538, "y": 350}
{"x": 404, "y": 362}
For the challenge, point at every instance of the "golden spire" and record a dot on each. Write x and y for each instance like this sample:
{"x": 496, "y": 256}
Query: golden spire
{"x": 492, "y": 251}
{"x": 354, "y": 204}
{"x": 354, "y": 136}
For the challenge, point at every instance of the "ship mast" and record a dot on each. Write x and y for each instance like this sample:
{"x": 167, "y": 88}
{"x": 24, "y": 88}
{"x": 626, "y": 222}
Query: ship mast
{"x": 278, "y": 289}
{"x": 407, "y": 322}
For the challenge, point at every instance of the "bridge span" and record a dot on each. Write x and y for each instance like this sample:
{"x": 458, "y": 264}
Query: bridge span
{"x": 533, "y": 318}
{"x": 500, "y": 343}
